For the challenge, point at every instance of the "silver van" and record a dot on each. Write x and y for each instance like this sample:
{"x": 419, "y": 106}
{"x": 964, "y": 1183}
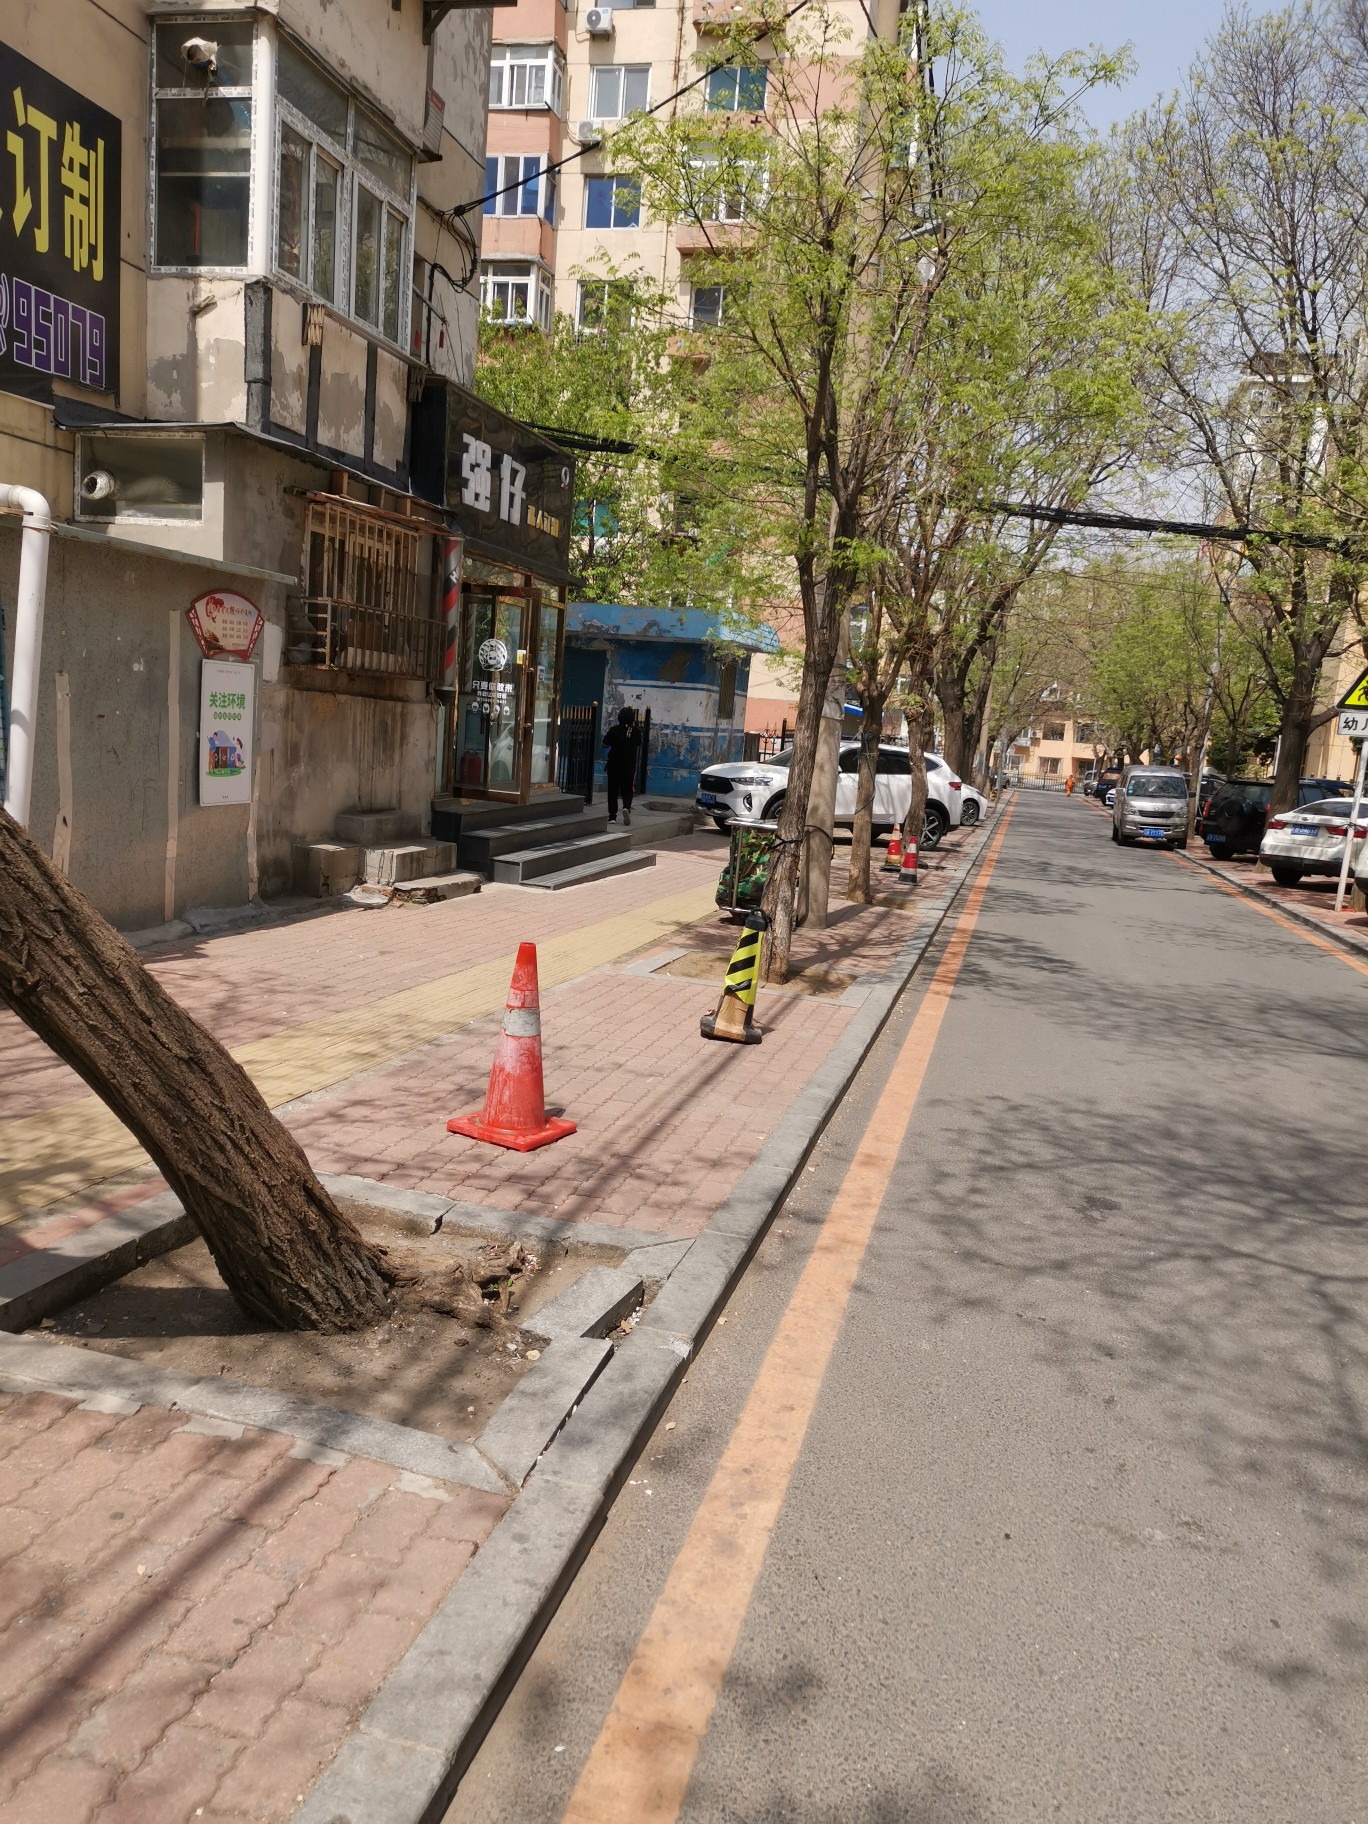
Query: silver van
{"x": 1151, "y": 806}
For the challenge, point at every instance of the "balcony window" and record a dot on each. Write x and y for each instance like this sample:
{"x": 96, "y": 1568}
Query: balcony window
{"x": 705, "y": 306}
{"x": 604, "y": 304}
{"x": 612, "y": 202}
{"x": 515, "y": 292}
{"x": 728, "y": 190}
{"x": 202, "y": 147}
{"x": 519, "y": 186}
{"x": 344, "y": 181}
{"x": 526, "y": 76}
{"x": 619, "y": 89}
{"x": 738, "y": 89}
{"x": 147, "y": 477}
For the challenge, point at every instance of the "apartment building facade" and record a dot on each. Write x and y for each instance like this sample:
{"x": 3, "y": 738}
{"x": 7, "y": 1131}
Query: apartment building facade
{"x": 234, "y": 339}
{"x": 561, "y": 78}
{"x": 1058, "y": 744}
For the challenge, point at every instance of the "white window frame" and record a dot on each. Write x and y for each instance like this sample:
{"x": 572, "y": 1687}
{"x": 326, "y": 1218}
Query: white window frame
{"x": 611, "y": 226}
{"x": 199, "y": 25}
{"x": 505, "y": 58}
{"x": 744, "y": 181}
{"x": 736, "y": 106}
{"x": 545, "y": 181}
{"x": 601, "y": 289}
{"x": 397, "y": 211}
{"x": 694, "y": 290}
{"x": 599, "y": 75}
{"x": 134, "y": 514}
{"x": 496, "y": 273}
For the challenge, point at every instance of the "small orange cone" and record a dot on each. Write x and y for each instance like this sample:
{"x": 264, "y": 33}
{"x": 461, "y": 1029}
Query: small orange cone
{"x": 892, "y": 860}
{"x": 908, "y": 872}
{"x": 514, "y": 1113}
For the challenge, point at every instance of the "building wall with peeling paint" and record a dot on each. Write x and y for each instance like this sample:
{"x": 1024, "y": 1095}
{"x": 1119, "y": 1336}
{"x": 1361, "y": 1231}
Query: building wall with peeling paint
{"x": 679, "y": 682}
{"x": 327, "y": 404}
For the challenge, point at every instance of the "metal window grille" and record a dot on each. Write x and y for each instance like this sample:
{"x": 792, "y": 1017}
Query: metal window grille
{"x": 370, "y": 602}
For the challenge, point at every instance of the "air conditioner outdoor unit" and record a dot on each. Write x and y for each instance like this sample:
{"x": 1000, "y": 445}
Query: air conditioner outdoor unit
{"x": 598, "y": 22}
{"x": 589, "y": 133}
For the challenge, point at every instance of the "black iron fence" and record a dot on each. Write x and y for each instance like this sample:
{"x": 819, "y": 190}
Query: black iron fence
{"x": 765, "y": 743}
{"x": 644, "y": 760}
{"x": 577, "y": 749}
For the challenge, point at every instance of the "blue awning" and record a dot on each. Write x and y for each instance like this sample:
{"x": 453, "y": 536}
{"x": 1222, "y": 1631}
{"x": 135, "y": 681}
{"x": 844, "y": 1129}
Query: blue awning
{"x": 608, "y": 620}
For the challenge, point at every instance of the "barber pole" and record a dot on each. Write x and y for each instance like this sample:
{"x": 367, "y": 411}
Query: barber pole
{"x": 453, "y": 561}
{"x": 908, "y": 872}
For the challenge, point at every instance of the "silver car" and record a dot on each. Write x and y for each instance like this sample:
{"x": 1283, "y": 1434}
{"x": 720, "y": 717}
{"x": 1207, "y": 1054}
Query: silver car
{"x": 1151, "y": 806}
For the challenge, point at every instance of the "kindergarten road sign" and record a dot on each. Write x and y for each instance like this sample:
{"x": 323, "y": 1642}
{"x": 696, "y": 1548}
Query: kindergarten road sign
{"x": 1356, "y": 697}
{"x": 1352, "y": 723}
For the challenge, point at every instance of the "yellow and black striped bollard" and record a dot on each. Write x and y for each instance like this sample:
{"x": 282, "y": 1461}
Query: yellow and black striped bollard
{"x": 736, "y": 1010}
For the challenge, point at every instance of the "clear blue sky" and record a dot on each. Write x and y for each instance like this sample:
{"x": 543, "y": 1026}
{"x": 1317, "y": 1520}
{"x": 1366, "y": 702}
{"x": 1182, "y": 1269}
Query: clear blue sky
{"x": 1164, "y": 34}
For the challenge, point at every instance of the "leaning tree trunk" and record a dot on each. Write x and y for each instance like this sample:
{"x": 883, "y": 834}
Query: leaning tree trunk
{"x": 286, "y": 1253}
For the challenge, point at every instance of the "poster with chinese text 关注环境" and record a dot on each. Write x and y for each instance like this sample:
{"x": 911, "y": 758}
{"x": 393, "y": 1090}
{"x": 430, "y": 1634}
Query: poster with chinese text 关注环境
{"x": 227, "y": 712}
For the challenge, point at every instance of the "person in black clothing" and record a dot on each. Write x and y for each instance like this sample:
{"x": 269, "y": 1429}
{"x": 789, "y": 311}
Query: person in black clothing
{"x": 623, "y": 742}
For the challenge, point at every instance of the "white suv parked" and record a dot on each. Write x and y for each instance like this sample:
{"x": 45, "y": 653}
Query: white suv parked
{"x": 757, "y": 788}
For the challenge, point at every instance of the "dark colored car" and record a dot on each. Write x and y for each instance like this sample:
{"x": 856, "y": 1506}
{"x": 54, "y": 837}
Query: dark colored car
{"x": 1106, "y": 779}
{"x": 1232, "y": 822}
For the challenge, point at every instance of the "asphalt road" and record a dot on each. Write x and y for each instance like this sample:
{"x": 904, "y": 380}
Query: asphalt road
{"x": 1078, "y": 1527}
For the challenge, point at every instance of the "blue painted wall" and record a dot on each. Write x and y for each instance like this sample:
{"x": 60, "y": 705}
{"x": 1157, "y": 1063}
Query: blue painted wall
{"x": 679, "y": 683}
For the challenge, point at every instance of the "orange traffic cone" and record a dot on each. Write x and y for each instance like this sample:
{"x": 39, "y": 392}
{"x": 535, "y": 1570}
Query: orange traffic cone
{"x": 892, "y": 860}
{"x": 908, "y": 872}
{"x": 514, "y": 1113}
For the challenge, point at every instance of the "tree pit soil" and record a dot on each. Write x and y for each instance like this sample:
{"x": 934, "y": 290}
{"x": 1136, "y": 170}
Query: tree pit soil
{"x": 421, "y": 1367}
{"x": 711, "y": 966}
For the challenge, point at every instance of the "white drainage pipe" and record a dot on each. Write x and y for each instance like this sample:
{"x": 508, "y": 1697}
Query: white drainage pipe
{"x": 28, "y": 643}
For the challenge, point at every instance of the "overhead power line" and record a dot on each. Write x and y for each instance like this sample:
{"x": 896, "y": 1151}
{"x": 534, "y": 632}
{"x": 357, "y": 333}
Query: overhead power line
{"x": 1182, "y": 528}
{"x": 559, "y": 164}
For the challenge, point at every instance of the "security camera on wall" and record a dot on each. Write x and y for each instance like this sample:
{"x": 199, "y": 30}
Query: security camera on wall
{"x": 201, "y": 54}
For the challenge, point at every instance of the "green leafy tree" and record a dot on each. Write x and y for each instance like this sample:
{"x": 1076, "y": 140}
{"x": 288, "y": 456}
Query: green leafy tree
{"x": 1249, "y": 216}
{"x": 655, "y": 519}
{"x": 832, "y": 226}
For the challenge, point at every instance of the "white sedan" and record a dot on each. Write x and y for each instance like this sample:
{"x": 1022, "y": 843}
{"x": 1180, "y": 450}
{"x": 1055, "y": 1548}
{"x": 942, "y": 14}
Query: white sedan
{"x": 973, "y": 804}
{"x": 1311, "y": 840}
{"x": 757, "y": 788}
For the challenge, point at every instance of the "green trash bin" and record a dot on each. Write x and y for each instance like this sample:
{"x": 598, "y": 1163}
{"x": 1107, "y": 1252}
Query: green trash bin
{"x": 748, "y": 864}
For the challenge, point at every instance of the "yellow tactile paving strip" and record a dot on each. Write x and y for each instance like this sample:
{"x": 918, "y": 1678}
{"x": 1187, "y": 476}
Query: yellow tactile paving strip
{"x": 55, "y": 1154}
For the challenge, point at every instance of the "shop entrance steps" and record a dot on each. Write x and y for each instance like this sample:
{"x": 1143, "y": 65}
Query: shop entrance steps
{"x": 548, "y": 863}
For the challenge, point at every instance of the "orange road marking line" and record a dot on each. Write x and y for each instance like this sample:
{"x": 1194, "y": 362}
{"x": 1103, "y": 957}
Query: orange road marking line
{"x": 1288, "y": 924}
{"x": 639, "y": 1768}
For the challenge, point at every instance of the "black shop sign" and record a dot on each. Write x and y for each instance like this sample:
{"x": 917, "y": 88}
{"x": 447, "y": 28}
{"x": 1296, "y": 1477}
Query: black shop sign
{"x": 59, "y": 234}
{"x": 510, "y": 490}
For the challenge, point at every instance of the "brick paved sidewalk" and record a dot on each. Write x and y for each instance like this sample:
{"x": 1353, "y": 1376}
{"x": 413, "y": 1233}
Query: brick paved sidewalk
{"x": 378, "y": 992}
{"x": 193, "y": 1614}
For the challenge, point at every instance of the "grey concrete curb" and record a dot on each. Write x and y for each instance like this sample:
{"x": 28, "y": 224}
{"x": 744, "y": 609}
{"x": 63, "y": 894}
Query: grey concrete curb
{"x": 48, "y": 1280}
{"x": 406, "y": 1756}
{"x": 29, "y": 1364}
{"x": 1356, "y": 946}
